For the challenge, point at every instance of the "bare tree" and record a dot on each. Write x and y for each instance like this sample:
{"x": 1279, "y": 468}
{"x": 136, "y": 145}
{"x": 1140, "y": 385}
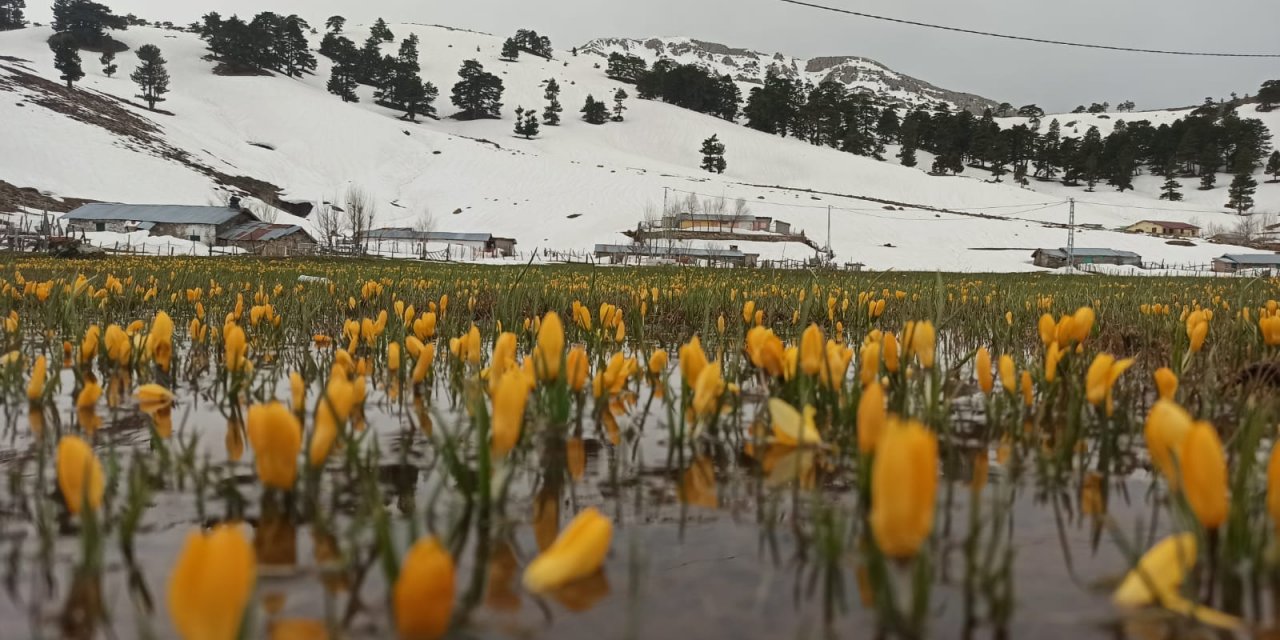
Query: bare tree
{"x": 358, "y": 217}
{"x": 423, "y": 225}
{"x": 265, "y": 212}
{"x": 328, "y": 221}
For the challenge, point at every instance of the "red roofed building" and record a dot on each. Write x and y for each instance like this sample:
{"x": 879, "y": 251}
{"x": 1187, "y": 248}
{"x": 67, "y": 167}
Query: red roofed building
{"x": 1164, "y": 228}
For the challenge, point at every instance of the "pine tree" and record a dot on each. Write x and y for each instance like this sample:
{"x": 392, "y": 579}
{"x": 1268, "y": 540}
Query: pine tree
{"x": 531, "y": 123}
{"x": 1171, "y": 190}
{"x": 372, "y": 65}
{"x": 335, "y": 24}
{"x": 108, "y": 59}
{"x": 1273, "y": 166}
{"x": 151, "y": 76}
{"x": 342, "y": 80}
{"x": 594, "y": 112}
{"x": 11, "y": 15}
{"x": 1210, "y": 158}
{"x": 66, "y": 59}
{"x": 1243, "y": 186}
{"x": 618, "y": 107}
{"x": 381, "y": 31}
{"x": 713, "y": 155}
{"x": 510, "y": 50}
{"x": 478, "y": 93}
{"x": 551, "y": 114}
{"x": 526, "y": 122}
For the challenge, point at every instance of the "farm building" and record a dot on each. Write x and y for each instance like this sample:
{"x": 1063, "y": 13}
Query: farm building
{"x": 214, "y": 226}
{"x": 1164, "y": 228}
{"x": 201, "y": 224}
{"x": 1233, "y": 262}
{"x": 264, "y": 238}
{"x": 1056, "y": 258}
{"x": 723, "y": 222}
{"x": 623, "y": 253}
{"x": 479, "y": 242}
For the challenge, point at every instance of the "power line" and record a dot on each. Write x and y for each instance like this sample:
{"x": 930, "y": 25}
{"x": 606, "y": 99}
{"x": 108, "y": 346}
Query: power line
{"x": 1029, "y": 39}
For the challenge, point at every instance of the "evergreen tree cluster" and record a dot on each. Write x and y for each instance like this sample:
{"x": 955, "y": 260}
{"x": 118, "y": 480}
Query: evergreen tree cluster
{"x": 401, "y": 85}
{"x": 11, "y": 14}
{"x": 526, "y": 122}
{"x": 826, "y": 114}
{"x": 1211, "y": 139}
{"x": 626, "y": 67}
{"x": 595, "y": 111}
{"x": 84, "y": 22}
{"x": 397, "y": 80}
{"x": 1269, "y": 95}
{"x": 270, "y": 42}
{"x": 683, "y": 85}
{"x": 531, "y": 43}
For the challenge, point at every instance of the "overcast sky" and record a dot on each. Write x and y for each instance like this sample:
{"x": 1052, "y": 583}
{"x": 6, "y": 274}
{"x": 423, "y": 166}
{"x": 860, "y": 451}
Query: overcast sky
{"x": 1054, "y": 77}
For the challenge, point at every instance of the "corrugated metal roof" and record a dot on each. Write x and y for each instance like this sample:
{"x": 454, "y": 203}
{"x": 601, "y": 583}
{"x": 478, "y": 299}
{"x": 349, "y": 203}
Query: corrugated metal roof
{"x": 405, "y": 233}
{"x": 1080, "y": 252}
{"x": 159, "y": 213}
{"x": 641, "y": 250}
{"x": 1253, "y": 258}
{"x": 260, "y": 232}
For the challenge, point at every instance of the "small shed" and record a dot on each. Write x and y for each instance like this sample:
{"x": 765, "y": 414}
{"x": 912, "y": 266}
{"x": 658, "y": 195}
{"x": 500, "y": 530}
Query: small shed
{"x": 267, "y": 239}
{"x": 1164, "y": 228}
{"x": 1057, "y": 258}
{"x": 1233, "y": 262}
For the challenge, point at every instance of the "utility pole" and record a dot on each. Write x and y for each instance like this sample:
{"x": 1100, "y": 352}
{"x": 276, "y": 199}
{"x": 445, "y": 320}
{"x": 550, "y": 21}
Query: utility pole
{"x": 1071, "y": 234}
{"x": 828, "y": 232}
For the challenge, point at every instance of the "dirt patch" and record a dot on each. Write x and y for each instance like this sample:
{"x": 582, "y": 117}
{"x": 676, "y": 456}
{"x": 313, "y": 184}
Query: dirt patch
{"x": 227, "y": 70}
{"x": 14, "y": 198}
{"x": 89, "y": 107}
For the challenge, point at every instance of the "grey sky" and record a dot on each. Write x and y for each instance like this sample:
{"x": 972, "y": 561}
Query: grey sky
{"x": 1057, "y": 78}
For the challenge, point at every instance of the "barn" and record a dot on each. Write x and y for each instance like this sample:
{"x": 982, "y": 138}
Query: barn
{"x": 1233, "y": 262}
{"x": 214, "y": 226}
{"x": 1057, "y": 258}
{"x": 267, "y": 239}
{"x": 196, "y": 223}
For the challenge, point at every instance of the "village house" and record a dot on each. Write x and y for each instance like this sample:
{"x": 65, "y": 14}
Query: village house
{"x": 211, "y": 225}
{"x": 486, "y": 243}
{"x": 1164, "y": 228}
{"x": 1057, "y": 258}
{"x": 1233, "y": 262}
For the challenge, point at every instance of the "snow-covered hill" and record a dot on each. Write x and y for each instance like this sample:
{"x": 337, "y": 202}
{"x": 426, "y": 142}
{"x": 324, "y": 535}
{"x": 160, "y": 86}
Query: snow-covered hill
{"x": 572, "y": 187}
{"x": 750, "y": 67}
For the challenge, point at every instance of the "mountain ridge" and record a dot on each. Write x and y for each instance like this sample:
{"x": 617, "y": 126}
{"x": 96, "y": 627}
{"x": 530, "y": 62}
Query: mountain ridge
{"x": 749, "y": 67}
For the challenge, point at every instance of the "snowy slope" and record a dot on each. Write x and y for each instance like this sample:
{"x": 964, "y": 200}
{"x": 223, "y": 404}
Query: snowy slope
{"x": 574, "y": 186}
{"x": 750, "y": 68}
